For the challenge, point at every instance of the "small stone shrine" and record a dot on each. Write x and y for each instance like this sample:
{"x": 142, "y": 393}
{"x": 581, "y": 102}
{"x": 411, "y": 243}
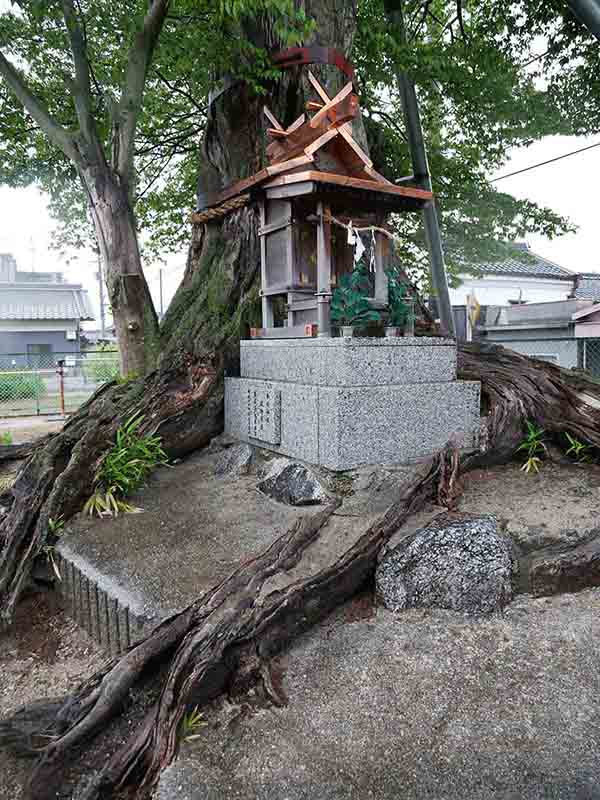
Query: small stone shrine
{"x": 303, "y": 391}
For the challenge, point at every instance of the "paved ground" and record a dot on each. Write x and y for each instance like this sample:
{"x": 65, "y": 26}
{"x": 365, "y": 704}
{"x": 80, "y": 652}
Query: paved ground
{"x": 417, "y": 705}
{"x": 25, "y": 429}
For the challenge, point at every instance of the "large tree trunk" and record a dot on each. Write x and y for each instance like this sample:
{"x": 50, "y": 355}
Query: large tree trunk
{"x": 183, "y": 402}
{"x": 130, "y": 300}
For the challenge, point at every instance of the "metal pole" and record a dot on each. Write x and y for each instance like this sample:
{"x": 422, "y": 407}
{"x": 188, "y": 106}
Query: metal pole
{"x": 418, "y": 154}
{"x": 588, "y": 13}
{"x": 61, "y": 384}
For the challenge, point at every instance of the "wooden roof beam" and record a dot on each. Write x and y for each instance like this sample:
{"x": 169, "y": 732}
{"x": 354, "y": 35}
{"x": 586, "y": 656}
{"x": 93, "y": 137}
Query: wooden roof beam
{"x": 330, "y": 105}
{"x": 272, "y": 119}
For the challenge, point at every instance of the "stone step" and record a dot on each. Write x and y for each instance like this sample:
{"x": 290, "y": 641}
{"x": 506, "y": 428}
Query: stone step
{"x": 122, "y": 576}
{"x": 107, "y": 619}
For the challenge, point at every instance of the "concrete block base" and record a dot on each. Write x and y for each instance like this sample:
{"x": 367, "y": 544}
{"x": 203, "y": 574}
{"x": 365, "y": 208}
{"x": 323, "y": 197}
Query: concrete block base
{"x": 343, "y": 427}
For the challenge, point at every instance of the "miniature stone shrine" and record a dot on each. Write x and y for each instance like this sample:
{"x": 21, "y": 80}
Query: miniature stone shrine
{"x": 332, "y": 400}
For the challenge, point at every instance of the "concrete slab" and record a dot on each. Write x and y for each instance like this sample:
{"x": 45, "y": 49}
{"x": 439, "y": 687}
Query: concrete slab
{"x": 350, "y": 362}
{"x": 423, "y": 704}
{"x": 121, "y": 576}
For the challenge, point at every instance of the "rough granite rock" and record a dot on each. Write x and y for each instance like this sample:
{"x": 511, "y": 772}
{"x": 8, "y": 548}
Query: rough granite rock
{"x": 292, "y": 483}
{"x": 235, "y": 460}
{"x": 457, "y": 562}
{"x": 569, "y": 571}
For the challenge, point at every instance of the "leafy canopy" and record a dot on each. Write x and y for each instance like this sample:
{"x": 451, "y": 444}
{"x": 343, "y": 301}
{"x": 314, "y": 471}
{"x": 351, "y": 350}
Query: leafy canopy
{"x": 490, "y": 76}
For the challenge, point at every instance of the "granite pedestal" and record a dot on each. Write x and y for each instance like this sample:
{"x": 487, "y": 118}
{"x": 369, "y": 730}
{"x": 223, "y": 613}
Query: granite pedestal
{"x": 342, "y": 403}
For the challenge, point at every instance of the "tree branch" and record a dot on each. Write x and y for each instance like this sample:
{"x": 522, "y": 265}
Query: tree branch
{"x": 138, "y": 62}
{"x": 461, "y": 22}
{"x": 55, "y": 132}
{"x": 177, "y": 90}
{"x": 81, "y": 88}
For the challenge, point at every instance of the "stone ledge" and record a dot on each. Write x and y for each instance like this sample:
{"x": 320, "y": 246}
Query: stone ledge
{"x": 354, "y": 341}
{"x": 341, "y": 428}
{"x": 350, "y": 362}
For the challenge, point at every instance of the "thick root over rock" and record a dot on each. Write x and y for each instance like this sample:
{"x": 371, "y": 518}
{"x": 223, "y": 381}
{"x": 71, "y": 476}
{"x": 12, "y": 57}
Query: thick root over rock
{"x": 183, "y": 404}
{"x": 200, "y": 649}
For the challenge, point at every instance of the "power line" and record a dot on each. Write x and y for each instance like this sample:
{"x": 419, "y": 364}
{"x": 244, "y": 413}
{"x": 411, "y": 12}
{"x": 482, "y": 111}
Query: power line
{"x": 543, "y": 163}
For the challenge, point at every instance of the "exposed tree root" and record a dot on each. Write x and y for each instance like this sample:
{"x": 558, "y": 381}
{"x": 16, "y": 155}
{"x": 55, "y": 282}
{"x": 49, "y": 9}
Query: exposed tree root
{"x": 206, "y": 635}
{"x": 183, "y": 404}
{"x": 18, "y": 452}
{"x": 214, "y": 635}
{"x": 515, "y": 389}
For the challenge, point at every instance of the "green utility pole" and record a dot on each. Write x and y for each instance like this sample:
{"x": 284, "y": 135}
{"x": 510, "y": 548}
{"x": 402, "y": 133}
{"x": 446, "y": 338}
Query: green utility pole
{"x": 418, "y": 154}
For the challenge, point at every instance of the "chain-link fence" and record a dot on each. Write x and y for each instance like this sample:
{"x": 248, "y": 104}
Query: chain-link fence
{"x": 52, "y": 383}
{"x": 589, "y": 357}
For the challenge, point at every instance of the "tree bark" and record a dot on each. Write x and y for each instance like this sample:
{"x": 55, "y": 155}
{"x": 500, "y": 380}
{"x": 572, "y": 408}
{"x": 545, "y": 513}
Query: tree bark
{"x": 183, "y": 402}
{"x": 132, "y": 307}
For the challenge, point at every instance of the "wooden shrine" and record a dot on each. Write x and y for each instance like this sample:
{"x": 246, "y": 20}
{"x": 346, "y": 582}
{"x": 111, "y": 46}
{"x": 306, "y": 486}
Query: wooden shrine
{"x": 318, "y": 181}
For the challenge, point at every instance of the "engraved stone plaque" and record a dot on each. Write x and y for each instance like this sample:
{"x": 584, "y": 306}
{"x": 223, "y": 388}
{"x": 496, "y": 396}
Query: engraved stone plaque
{"x": 264, "y": 414}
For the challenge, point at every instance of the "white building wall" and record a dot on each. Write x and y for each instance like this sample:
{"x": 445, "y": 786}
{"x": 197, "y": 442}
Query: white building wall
{"x": 500, "y": 289}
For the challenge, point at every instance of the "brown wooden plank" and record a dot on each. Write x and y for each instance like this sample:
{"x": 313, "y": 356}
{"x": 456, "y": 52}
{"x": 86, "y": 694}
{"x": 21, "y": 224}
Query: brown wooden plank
{"x": 356, "y": 183}
{"x": 272, "y": 118}
{"x": 376, "y": 175}
{"x": 322, "y": 140}
{"x": 238, "y": 187}
{"x": 295, "y": 143}
{"x": 313, "y": 105}
{"x": 318, "y": 88}
{"x": 349, "y": 139}
{"x": 277, "y": 133}
{"x": 296, "y": 123}
{"x": 330, "y": 106}
{"x": 292, "y": 163}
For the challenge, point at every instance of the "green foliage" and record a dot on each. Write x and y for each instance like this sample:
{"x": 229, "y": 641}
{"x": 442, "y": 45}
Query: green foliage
{"x": 481, "y": 96}
{"x": 55, "y": 529}
{"x": 56, "y": 525}
{"x": 400, "y": 305}
{"x": 581, "y": 452}
{"x": 200, "y": 39}
{"x": 6, "y": 438}
{"x": 349, "y": 303}
{"x": 192, "y": 722}
{"x": 533, "y": 446}
{"x": 19, "y": 386}
{"x": 124, "y": 469}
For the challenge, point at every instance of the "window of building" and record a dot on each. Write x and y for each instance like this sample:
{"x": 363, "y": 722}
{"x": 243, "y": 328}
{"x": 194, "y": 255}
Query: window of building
{"x": 39, "y": 355}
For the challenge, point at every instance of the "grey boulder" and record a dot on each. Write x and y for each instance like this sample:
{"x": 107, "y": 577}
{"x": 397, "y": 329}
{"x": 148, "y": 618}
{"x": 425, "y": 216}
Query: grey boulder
{"x": 292, "y": 483}
{"x": 235, "y": 460}
{"x": 456, "y": 562}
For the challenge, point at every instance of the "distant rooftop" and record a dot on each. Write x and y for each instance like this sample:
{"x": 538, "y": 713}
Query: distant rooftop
{"x": 39, "y": 295}
{"x": 588, "y": 287}
{"x": 534, "y": 266}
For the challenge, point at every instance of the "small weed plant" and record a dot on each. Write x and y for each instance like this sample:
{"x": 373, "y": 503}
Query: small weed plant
{"x": 193, "y": 721}
{"x": 578, "y": 450}
{"x": 55, "y": 528}
{"x": 124, "y": 469}
{"x": 534, "y": 448}
{"x": 6, "y": 438}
